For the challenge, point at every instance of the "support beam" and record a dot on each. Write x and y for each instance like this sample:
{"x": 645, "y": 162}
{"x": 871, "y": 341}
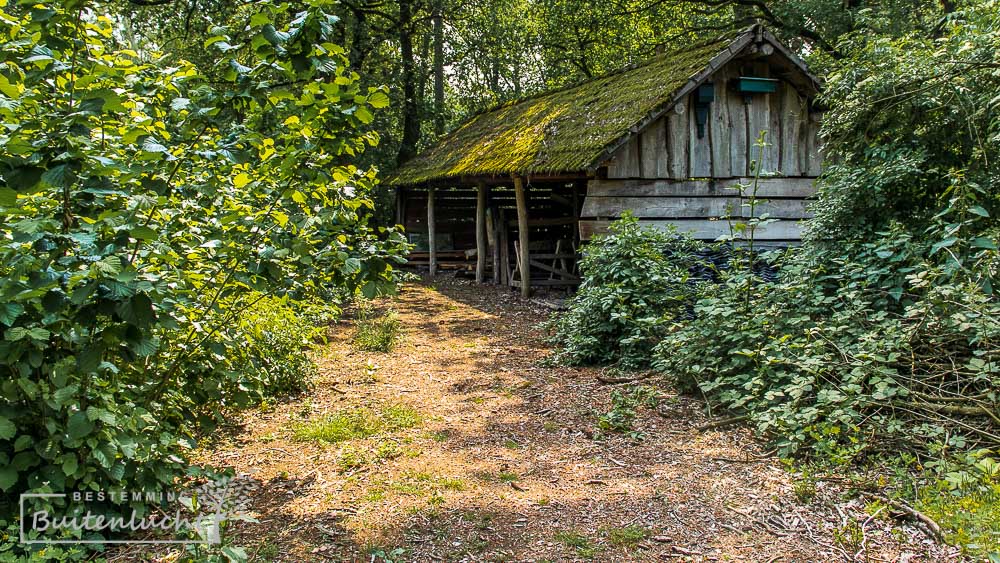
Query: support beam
{"x": 504, "y": 249}
{"x": 496, "y": 244}
{"x": 400, "y": 209}
{"x": 481, "y": 235}
{"x": 522, "y": 234}
{"x": 431, "y": 234}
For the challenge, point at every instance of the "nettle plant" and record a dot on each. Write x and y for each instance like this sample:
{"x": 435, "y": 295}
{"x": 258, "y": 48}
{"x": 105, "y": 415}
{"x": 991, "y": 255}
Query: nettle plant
{"x": 144, "y": 209}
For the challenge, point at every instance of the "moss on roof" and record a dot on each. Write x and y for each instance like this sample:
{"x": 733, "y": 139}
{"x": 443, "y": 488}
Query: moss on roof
{"x": 560, "y": 131}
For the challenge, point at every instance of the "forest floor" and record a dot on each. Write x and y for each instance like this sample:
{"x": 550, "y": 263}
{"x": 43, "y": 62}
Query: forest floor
{"x": 495, "y": 456}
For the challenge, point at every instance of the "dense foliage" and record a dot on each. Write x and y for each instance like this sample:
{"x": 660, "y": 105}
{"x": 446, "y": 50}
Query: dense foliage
{"x": 636, "y": 283}
{"x": 159, "y": 231}
{"x": 881, "y": 331}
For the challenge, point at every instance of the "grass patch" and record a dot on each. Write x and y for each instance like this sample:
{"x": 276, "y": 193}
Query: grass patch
{"x": 351, "y": 424}
{"x": 584, "y": 547}
{"x": 440, "y": 435}
{"x": 354, "y": 457}
{"x": 507, "y": 477}
{"x": 376, "y": 333}
{"x": 415, "y": 484}
{"x": 511, "y": 444}
{"x": 627, "y": 536}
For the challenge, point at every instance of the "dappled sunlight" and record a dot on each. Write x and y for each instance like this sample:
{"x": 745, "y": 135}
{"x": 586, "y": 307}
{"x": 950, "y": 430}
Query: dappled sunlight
{"x": 462, "y": 443}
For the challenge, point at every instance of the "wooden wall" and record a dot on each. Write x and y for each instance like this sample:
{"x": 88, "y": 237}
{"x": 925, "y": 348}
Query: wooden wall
{"x": 670, "y": 146}
{"x": 667, "y": 175}
{"x": 703, "y": 208}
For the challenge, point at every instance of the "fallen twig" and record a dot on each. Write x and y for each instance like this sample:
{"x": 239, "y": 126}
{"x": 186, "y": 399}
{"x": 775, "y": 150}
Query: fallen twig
{"x": 722, "y": 422}
{"x": 615, "y": 380}
{"x": 930, "y": 527}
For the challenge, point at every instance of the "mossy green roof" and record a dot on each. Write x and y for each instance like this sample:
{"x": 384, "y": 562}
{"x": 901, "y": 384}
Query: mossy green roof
{"x": 565, "y": 130}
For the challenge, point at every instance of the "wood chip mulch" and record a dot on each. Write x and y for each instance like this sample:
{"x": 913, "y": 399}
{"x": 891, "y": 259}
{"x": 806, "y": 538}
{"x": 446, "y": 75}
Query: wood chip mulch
{"x": 504, "y": 465}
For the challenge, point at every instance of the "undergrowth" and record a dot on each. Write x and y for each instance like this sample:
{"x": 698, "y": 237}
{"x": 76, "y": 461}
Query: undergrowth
{"x": 376, "y": 332}
{"x": 880, "y": 334}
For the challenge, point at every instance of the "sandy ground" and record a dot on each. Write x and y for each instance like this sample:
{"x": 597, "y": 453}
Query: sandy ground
{"x": 504, "y": 464}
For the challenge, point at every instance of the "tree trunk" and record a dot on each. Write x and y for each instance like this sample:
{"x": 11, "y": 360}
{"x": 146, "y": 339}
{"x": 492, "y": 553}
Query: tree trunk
{"x": 411, "y": 107}
{"x": 438, "y": 23}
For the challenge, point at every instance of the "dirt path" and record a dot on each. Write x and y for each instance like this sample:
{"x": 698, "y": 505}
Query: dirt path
{"x": 501, "y": 463}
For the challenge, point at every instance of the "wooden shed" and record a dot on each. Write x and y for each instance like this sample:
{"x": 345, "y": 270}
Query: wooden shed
{"x": 519, "y": 187}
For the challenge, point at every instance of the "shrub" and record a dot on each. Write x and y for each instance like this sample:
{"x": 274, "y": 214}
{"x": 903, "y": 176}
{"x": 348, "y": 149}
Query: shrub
{"x": 145, "y": 209}
{"x": 636, "y": 281}
{"x": 844, "y": 349}
{"x": 278, "y": 338}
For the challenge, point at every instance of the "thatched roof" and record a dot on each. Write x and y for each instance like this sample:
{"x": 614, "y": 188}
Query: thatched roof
{"x": 575, "y": 128}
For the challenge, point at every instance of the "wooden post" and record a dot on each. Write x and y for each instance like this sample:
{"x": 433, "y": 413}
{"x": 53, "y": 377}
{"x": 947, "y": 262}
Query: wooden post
{"x": 496, "y": 245}
{"x": 504, "y": 249}
{"x": 480, "y": 231}
{"x": 400, "y": 217}
{"x": 431, "y": 235}
{"x": 522, "y": 235}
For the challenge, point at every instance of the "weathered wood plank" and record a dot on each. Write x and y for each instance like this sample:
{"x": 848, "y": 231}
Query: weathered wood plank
{"x": 720, "y": 126}
{"x": 522, "y": 235}
{"x": 677, "y": 145}
{"x": 660, "y": 207}
{"x": 693, "y": 207}
{"x": 774, "y": 127}
{"x": 738, "y": 142}
{"x": 481, "y": 236}
{"x": 802, "y": 141}
{"x": 654, "y": 151}
{"x": 626, "y": 161}
{"x": 792, "y": 120}
{"x": 704, "y": 229}
{"x": 760, "y": 121}
{"x": 700, "y": 149}
{"x": 504, "y": 233}
{"x": 815, "y": 155}
{"x": 767, "y": 187}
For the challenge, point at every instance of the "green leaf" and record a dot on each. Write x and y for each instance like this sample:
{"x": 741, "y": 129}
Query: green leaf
{"x": 9, "y": 312}
{"x": 70, "y": 465}
{"x": 60, "y": 176}
{"x": 104, "y": 454}
{"x": 8, "y": 197}
{"x": 66, "y": 395}
{"x": 378, "y": 100}
{"x": 143, "y": 233}
{"x": 109, "y": 265}
{"x": 364, "y": 115}
{"x": 23, "y": 442}
{"x": 79, "y": 426}
{"x": 94, "y": 413}
{"x": 260, "y": 18}
{"x": 39, "y": 334}
{"x": 8, "y": 476}
{"x": 943, "y": 244}
{"x": 979, "y": 210}
{"x": 983, "y": 242}
{"x": 273, "y": 36}
{"x": 20, "y": 333}
{"x": 241, "y": 180}
{"x": 7, "y": 428}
